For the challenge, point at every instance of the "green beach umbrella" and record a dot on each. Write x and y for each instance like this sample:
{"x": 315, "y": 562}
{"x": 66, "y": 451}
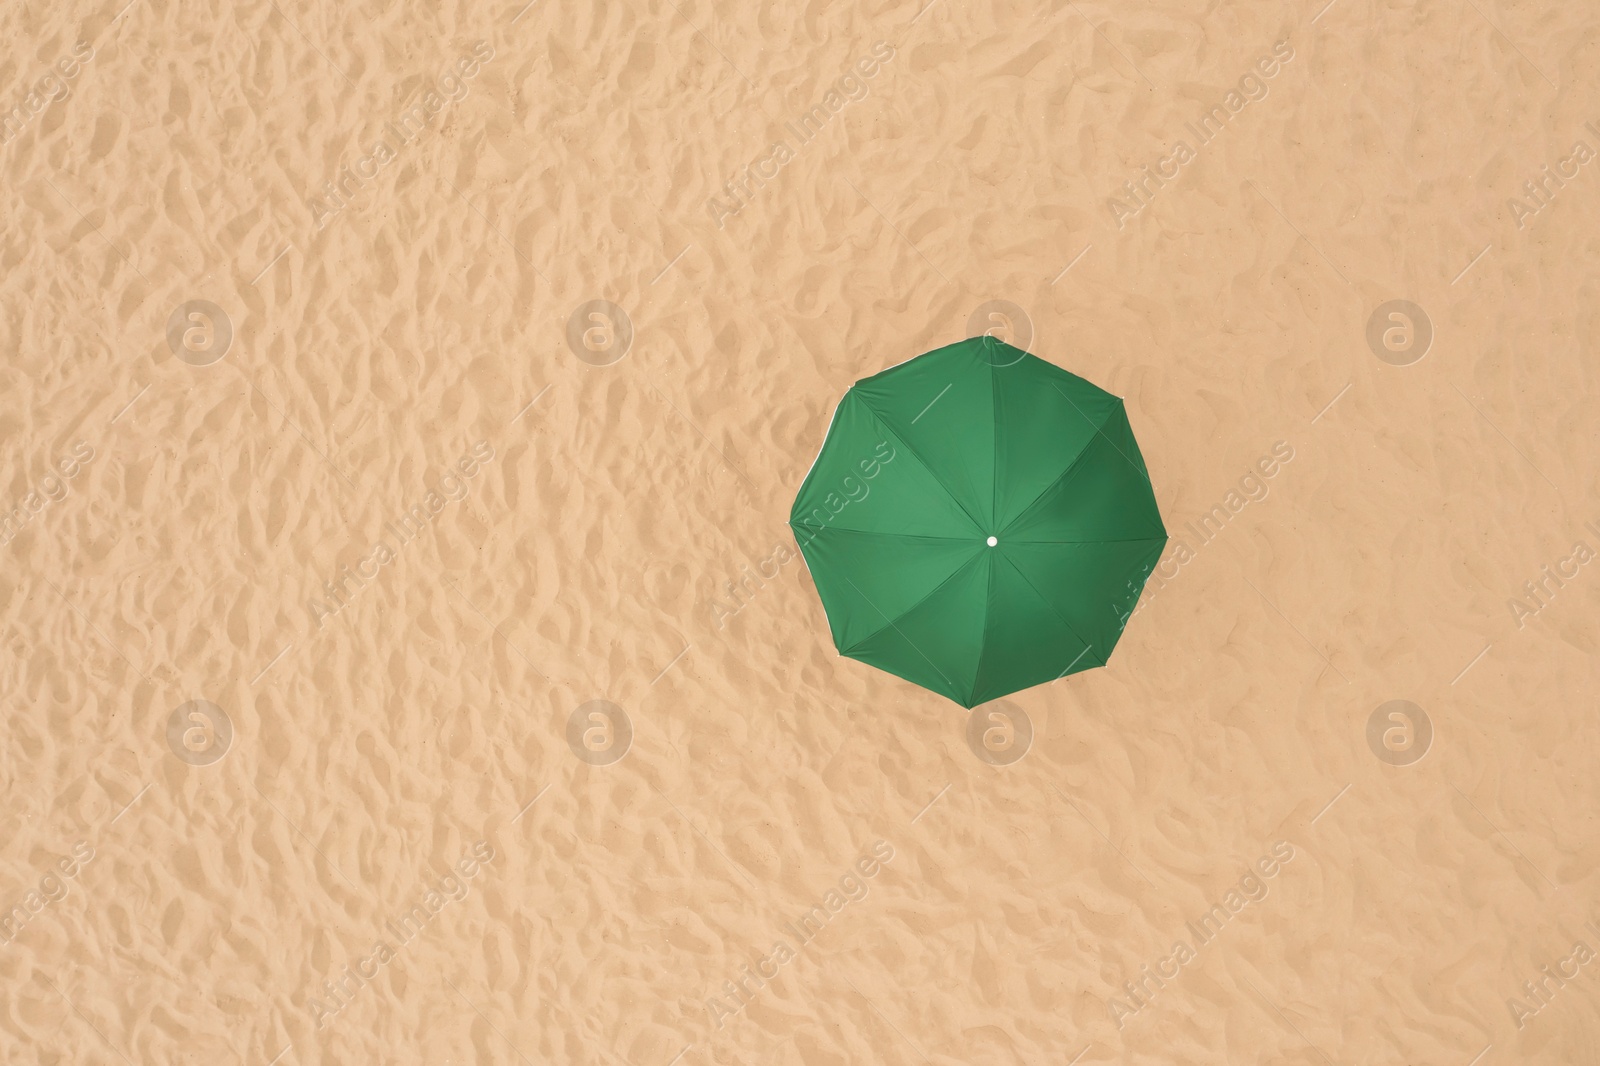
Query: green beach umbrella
{"x": 978, "y": 521}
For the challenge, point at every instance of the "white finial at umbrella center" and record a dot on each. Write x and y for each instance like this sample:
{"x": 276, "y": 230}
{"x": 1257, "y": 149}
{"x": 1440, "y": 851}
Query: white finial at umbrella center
{"x": 993, "y": 541}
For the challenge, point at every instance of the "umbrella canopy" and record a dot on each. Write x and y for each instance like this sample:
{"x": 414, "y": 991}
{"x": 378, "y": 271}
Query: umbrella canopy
{"x": 978, "y": 521}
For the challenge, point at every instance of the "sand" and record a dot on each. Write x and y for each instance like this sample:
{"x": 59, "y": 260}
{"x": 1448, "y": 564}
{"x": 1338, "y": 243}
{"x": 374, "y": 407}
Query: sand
{"x": 374, "y": 687}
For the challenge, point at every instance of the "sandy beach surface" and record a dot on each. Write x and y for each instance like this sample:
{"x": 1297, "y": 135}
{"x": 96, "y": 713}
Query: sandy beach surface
{"x": 407, "y": 659}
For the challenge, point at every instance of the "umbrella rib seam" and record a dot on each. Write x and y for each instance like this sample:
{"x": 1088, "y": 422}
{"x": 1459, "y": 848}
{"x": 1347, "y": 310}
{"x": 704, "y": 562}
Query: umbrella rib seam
{"x": 1042, "y": 599}
{"x": 994, "y": 446}
{"x": 893, "y": 623}
{"x": 1087, "y": 543}
{"x": 880, "y": 533}
{"x": 918, "y": 456}
{"x": 1123, "y": 407}
{"x": 1069, "y": 468}
{"x": 983, "y": 645}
